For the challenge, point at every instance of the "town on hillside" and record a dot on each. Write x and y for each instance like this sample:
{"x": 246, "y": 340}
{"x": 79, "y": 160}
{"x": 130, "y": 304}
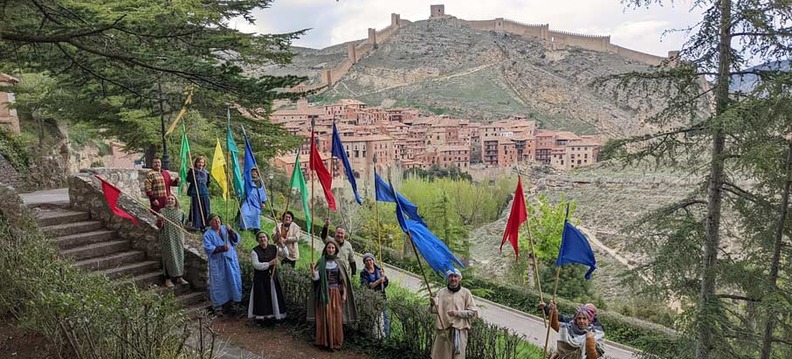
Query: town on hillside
{"x": 410, "y": 138}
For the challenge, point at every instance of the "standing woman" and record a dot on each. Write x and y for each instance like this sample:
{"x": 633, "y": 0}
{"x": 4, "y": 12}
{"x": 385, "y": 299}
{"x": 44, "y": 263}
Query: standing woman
{"x": 172, "y": 241}
{"x": 198, "y": 177}
{"x": 225, "y": 277}
{"x": 266, "y": 297}
{"x": 326, "y": 305}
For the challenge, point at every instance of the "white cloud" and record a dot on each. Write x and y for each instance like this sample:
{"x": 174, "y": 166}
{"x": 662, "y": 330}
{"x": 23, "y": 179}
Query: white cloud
{"x": 345, "y": 20}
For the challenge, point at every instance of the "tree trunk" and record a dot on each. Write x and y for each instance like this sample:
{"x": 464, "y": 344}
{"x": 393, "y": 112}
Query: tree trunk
{"x": 707, "y": 301}
{"x": 775, "y": 263}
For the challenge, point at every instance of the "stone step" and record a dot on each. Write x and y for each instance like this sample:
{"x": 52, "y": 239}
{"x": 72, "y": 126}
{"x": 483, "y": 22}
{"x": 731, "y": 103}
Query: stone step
{"x": 176, "y": 290}
{"x": 60, "y": 230}
{"x": 56, "y": 217}
{"x": 82, "y": 239}
{"x": 97, "y": 250}
{"x": 147, "y": 280}
{"x": 110, "y": 261}
{"x": 188, "y": 299}
{"x": 130, "y": 270}
{"x": 198, "y": 310}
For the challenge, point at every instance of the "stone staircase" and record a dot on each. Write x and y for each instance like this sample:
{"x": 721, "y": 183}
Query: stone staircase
{"x": 99, "y": 250}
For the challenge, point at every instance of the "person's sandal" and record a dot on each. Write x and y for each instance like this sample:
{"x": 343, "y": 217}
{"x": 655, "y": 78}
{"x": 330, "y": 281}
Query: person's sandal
{"x": 181, "y": 281}
{"x": 168, "y": 283}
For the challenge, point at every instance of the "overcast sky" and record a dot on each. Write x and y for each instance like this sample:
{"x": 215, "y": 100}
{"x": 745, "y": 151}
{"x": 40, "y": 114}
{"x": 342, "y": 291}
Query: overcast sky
{"x": 333, "y": 22}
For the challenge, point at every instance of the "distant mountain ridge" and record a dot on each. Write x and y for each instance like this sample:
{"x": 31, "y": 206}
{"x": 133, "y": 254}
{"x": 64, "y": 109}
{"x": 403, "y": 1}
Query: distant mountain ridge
{"x": 746, "y": 83}
{"x": 450, "y": 66}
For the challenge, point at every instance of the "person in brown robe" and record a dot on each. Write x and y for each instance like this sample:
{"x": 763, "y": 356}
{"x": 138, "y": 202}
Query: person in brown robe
{"x": 455, "y": 310}
{"x": 330, "y": 296}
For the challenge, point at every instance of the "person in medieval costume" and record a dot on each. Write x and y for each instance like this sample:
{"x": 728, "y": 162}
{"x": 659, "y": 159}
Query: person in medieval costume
{"x": 346, "y": 254}
{"x": 225, "y": 279}
{"x": 371, "y": 277}
{"x": 455, "y": 311}
{"x": 578, "y": 337}
{"x": 286, "y": 234}
{"x": 250, "y": 210}
{"x": 266, "y": 296}
{"x": 172, "y": 241}
{"x": 158, "y": 185}
{"x": 198, "y": 177}
{"x": 332, "y": 302}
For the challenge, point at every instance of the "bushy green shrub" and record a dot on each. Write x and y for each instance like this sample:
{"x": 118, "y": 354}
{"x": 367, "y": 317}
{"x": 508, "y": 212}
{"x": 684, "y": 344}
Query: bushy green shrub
{"x": 13, "y": 149}
{"x": 82, "y": 314}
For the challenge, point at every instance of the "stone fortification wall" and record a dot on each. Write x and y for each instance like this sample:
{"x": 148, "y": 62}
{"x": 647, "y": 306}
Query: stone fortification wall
{"x": 557, "y": 40}
{"x": 639, "y": 56}
{"x": 554, "y": 40}
{"x": 85, "y": 194}
{"x": 8, "y": 174}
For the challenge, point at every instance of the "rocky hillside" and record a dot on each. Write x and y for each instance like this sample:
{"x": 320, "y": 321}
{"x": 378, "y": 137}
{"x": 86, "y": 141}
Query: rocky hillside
{"x": 444, "y": 66}
{"x": 608, "y": 199}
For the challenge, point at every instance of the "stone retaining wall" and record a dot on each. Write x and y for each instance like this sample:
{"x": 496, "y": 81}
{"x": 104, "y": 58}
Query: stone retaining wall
{"x": 85, "y": 194}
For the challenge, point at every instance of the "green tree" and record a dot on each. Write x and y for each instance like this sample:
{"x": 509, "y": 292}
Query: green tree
{"x": 741, "y": 134}
{"x": 124, "y": 63}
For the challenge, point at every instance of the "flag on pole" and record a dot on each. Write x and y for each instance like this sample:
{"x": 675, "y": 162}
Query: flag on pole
{"x": 298, "y": 182}
{"x": 236, "y": 172}
{"x": 111, "y": 194}
{"x": 185, "y": 159}
{"x": 325, "y": 179}
{"x": 516, "y": 218}
{"x": 218, "y": 169}
{"x": 339, "y": 152}
{"x": 384, "y": 193}
{"x": 575, "y": 248}
{"x": 250, "y": 164}
{"x": 431, "y": 248}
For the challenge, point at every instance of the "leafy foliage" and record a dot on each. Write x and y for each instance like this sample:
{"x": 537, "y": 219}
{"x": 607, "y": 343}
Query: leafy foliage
{"x": 120, "y": 65}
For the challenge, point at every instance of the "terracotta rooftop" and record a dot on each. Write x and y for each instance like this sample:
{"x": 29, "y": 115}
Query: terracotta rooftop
{"x": 8, "y": 78}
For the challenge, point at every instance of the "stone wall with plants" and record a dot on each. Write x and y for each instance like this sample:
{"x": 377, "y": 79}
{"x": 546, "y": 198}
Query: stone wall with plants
{"x": 85, "y": 194}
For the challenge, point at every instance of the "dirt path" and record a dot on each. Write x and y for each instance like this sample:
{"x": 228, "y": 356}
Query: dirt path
{"x": 274, "y": 341}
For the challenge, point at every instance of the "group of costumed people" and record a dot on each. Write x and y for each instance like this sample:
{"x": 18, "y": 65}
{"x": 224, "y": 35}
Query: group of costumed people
{"x": 332, "y": 303}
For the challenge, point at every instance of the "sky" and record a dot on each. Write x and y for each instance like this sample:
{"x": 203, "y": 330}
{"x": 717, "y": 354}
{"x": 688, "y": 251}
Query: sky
{"x": 334, "y": 22}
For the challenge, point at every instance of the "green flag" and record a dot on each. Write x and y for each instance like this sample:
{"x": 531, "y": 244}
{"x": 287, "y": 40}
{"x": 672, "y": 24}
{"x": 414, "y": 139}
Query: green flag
{"x": 185, "y": 161}
{"x": 236, "y": 172}
{"x": 298, "y": 182}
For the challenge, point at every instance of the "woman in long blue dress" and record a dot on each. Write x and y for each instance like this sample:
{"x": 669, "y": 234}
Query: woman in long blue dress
{"x": 255, "y": 197}
{"x": 198, "y": 177}
{"x": 225, "y": 277}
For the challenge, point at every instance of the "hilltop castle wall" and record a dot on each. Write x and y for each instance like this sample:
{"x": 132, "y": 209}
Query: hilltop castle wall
{"x": 554, "y": 40}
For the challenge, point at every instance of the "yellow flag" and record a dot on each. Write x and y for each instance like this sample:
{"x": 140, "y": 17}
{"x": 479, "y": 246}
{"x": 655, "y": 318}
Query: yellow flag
{"x": 218, "y": 169}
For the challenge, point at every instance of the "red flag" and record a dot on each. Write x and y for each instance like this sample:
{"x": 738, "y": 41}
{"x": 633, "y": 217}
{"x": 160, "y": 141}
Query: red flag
{"x": 111, "y": 194}
{"x": 325, "y": 178}
{"x": 516, "y": 218}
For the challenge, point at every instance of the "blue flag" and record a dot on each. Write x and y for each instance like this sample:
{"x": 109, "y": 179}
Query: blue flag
{"x": 250, "y": 164}
{"x": 431, "y": 248}
{"x": 575, "y": 248}
{"x": 386, "y": 194}
{"x": 339, "y": 152}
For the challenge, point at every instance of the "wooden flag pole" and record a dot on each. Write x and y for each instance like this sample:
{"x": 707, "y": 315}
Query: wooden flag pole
{"x": 533, "y": 253}
{"x": 555, "y": 291}
{"x": 379, "y": 236}
{"x": 313, "y": 174}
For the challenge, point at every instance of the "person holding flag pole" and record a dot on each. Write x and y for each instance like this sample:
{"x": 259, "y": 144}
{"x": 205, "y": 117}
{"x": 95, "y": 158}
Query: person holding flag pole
{"x": 577, "y": 336}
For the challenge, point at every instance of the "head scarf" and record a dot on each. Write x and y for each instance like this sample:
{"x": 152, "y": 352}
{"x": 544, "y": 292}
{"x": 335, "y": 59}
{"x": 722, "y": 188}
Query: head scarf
{"x": 453, "y": 271}
{"x": 213, "y": 216}
{"x": 587, "y": 312}
{"x": 321, "y": 267}
{"x": 592, "y": 309}
{"x": 368, "y": 255}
